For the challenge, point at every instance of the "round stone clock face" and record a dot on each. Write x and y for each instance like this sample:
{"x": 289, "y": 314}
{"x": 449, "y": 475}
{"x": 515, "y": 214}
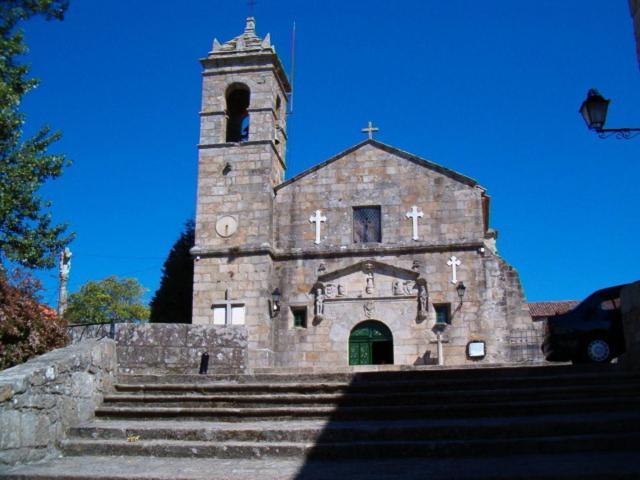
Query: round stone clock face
{"x": 226, "y": 226}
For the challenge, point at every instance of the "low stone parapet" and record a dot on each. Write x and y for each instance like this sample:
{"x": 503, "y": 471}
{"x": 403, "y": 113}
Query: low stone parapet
{"x": 177, "y": 348}
{"x": 42, "y": 398}
{"x": 171, "y": 348}
{"x": 630, "y": 306}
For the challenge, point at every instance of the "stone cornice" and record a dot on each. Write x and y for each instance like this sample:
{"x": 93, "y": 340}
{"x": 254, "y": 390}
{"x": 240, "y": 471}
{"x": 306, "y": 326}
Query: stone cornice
{"x": 350, "y": 251}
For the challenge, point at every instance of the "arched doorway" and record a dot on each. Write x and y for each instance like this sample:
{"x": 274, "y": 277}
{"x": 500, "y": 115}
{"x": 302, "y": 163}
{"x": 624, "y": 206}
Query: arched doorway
{"x": 370, "y": 343}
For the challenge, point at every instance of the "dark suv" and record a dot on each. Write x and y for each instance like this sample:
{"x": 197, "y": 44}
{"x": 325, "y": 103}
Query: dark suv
{"x": 591, "y": 332}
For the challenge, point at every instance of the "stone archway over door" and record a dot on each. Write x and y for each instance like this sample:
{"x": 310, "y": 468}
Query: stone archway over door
{"x": 370, "y": 343}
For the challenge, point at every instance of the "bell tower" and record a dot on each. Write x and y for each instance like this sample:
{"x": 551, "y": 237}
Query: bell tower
{"x": 241, "y": 158}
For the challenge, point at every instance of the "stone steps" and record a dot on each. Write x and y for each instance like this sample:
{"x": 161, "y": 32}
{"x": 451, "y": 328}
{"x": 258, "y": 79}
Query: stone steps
{"x": 406, "y": 417}
{"x": 442, "y": 376}
{"x": 465, "y": 408}
{"x": 530, "y": 466}
{"x": 255, "y": 397}
{"x": 323, "y": 432}
{"x": 356, "y": 449}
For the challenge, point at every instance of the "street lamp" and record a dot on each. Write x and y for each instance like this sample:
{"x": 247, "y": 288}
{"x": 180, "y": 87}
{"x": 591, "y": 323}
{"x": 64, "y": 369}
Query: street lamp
{"x": 461, "y": 289}
{"x": 594, "y": 111}
{"x": 275, "y": 302}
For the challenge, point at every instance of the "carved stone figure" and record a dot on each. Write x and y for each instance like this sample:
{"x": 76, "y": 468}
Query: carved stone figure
{"x": 319, "y": 301}
{"x": 423, "y": 299}
{"x": 341, "y": 290}
{"x": 369, "y": 309}
{"x": 330, "y": 290}
{"x": 397, "y": 289}
{"x": 408, "y": 287}
{"x": 370, "y": 285}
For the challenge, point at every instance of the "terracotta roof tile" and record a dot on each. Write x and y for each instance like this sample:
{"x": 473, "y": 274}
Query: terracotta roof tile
{"x": 545, "y": 309}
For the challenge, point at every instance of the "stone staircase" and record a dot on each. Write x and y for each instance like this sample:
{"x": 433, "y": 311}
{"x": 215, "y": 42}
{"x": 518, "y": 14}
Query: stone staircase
{"x": 536, "y": 422}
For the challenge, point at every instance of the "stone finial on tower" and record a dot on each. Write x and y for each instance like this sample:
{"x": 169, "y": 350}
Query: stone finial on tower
{"x": 248, "y": 41}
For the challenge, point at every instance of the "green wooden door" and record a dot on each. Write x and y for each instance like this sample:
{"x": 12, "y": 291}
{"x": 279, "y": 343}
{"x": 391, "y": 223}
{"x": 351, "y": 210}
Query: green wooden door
{"x": 359, "y": 353}
{"x": 361, "y": 341}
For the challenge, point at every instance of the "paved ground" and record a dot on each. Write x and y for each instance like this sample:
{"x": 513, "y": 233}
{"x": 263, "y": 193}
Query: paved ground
{"x": 572, "y": 466}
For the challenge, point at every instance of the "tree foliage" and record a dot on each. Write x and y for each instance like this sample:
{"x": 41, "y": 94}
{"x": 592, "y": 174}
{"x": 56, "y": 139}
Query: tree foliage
{"x": 27, "y": 235}
{"x": 110, "y": 299}
{"x": 27, "y": 327}
{"x": 172, "y": 301}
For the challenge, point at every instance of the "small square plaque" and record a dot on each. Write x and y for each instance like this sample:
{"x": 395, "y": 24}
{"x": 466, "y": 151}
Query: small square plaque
{"x": 476, "y": 350}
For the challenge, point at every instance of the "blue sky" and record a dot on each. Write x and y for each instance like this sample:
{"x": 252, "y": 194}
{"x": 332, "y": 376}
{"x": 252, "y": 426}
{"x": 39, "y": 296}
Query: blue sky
{"x": 490, "y": 89}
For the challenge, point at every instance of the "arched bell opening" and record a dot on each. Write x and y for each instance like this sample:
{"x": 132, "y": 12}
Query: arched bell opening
{"x": 371, "y": 343}
{"x": 238, "y": 97}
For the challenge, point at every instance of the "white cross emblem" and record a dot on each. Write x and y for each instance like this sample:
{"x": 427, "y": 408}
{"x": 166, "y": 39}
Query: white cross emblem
{"x": 454, "y": 262}
{"x": 414, "y": 214}
{"x": 318, "y": 219}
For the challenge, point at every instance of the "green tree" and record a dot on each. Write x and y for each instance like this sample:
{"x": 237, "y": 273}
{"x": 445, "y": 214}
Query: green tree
{"x": 27, "y": 235}
{"x": 172, "y": 301}
{"x": 27, "y": 327}
{"x": 110, "y": 299}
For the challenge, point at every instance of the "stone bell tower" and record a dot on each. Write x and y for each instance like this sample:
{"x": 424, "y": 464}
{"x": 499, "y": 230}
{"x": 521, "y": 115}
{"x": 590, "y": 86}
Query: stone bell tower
{"x": 241, "y": 159}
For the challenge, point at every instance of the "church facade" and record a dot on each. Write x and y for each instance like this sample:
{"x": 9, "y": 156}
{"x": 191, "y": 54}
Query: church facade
{"x": 374, "y": 256}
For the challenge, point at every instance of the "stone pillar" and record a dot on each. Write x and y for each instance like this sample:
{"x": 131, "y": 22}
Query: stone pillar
{"x": 630, "y": 306}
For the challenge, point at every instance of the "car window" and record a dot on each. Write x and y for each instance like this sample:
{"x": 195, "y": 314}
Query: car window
{"x": 610, "y": 304}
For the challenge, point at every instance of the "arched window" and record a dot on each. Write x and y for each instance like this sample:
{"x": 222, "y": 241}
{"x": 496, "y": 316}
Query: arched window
{"x": 238, "y": 96}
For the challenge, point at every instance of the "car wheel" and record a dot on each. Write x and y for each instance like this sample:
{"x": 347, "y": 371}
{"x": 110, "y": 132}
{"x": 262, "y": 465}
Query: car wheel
{"x": 597, "y": 350}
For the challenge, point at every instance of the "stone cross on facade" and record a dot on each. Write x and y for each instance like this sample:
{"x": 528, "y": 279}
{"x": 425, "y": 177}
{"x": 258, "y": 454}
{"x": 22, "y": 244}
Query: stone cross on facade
{"x": 370, "y": 129}
{"x": 454, "y": 262}
{"x": 318, "y": 219}
{"x": 414, "y": 214}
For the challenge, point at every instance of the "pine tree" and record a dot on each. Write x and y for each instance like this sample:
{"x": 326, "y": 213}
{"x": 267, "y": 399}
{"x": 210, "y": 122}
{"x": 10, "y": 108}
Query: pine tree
{"x": 27, "y": 235}
{"x": 173, "y": 299}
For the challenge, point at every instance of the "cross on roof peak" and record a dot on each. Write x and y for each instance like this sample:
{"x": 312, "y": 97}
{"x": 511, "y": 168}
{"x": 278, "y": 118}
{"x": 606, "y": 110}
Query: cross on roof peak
{"x": 370, "y": 129}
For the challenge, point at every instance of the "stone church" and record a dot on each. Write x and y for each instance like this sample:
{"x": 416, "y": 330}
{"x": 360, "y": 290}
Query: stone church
{"x": 374, "y": 256}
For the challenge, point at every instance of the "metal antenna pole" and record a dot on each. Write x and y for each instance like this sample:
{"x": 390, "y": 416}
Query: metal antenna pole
{"x": 251, "y": 4}
{"x": 292, "y": 75}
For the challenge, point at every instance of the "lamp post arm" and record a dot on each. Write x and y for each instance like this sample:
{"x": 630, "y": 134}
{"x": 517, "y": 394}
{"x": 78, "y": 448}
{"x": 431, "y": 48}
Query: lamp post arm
{"x": 620, "y": 133}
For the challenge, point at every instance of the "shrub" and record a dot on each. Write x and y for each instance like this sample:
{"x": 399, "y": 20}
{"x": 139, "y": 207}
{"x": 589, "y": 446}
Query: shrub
{"x": 27, "y": 327}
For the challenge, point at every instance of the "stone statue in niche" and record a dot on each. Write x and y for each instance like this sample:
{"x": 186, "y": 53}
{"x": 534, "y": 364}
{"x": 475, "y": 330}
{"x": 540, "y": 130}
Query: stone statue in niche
{"x": 370, "y": 285}
{"x": 319, "y": 301}
{"x": 397, "y": 289}
{"x": 341, "y": 290}
{"x": 369, "y": 309}
{"x": 408, "y": 287}
{"x": 423, "y": 301}
{"x": 330, "y": 290}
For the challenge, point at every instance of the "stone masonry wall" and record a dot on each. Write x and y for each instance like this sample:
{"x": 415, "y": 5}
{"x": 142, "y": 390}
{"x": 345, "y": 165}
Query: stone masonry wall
{"x": 173, "y": 348}
{"x": 451, "y": 205}
{"x": 176, "y": 348}
{"x": 43, "y": 397}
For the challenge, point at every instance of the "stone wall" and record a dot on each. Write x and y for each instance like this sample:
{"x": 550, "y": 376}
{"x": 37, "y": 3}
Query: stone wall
{"x": 176, "y": 348}
{"x": 43, "y": 397}
{"x": 172, "y": 348}
{"x": 630, "y": 305}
